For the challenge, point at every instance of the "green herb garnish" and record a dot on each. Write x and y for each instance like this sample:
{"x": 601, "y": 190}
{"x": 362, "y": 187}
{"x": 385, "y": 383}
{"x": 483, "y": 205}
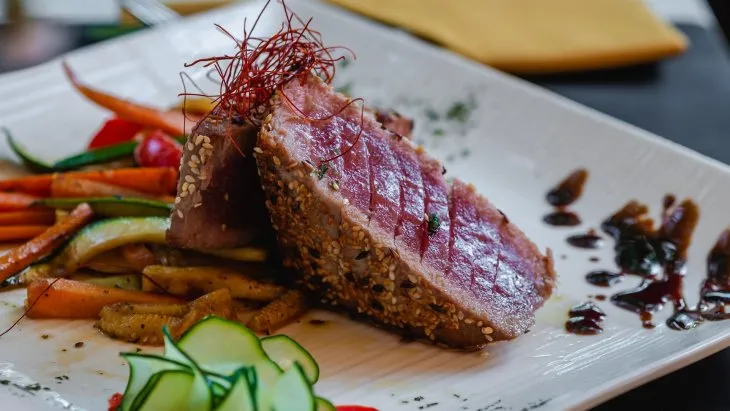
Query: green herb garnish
{"x": 434, "y": 222}
{"x": 439, "y": 132}
{"x": 322, "y": 170}
{"x": 460, "y": 111}
{"x": 431, "y": 114}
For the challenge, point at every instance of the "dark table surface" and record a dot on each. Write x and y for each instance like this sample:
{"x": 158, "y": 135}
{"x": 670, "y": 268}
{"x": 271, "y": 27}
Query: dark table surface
{"x": 685, "y": 100}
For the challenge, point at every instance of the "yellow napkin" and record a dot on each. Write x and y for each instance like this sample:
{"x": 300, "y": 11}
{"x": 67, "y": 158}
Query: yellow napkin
{"x": 534, "y": 36}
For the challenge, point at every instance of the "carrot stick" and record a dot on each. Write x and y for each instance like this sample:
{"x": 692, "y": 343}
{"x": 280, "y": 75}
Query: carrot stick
{"x": 30, "y": 217}
{"x": 171, "y": 122}
{"x": 76, "y": 299}
{"x": 151, "y": 180}
{"x": 16, "y": 201}
{"x": 64, "y": 186}
{"x": 20, "y": 232}
{"x": 20, "y": 257}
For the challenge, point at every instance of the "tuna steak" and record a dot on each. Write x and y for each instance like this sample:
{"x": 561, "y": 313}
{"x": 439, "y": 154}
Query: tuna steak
{"x": 380, "y": 234}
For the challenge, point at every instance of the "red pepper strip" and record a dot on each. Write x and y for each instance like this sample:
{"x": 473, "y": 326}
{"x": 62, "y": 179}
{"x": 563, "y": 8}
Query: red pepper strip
{"x": 116, "y": 130}
{"x": 158, "y": 150}
{"x": 115, "y": 401}
{"x": 354, "y": 408}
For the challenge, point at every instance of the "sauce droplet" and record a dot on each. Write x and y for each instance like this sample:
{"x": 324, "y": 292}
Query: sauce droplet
{"x": 562, "y": 219}
{"x": 587, "y": 241}
{"x": 585, "y": 319}
{"x": 569, "y": 190}
{"x": 603, "y": 278}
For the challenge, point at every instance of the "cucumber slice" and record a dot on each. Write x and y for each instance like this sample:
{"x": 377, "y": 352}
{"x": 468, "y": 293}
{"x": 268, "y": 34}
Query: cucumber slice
{"x": 112, "y": 233}
{"x": 242, "y": 348}
{"x": 168, "y": 391}
{"x": 324, "y": 405}
{"x": 240, "y": 397}
{"x": 285, "y": 352}
{"x": 113, "y": 206}
{"x": 293, "y": 392}
{"x": 199, "y": 394}
{"x": 29, "y": 160}
{"x": 141, "y": 368}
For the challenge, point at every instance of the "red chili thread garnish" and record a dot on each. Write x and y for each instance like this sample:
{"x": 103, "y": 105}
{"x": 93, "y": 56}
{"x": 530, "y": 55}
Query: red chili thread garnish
{"x": 261, "y": 67}
{"x": 30, "y": 307}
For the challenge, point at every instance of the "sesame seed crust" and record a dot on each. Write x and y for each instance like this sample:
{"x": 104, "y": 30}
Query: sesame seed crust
{"x": 331, "y": 246}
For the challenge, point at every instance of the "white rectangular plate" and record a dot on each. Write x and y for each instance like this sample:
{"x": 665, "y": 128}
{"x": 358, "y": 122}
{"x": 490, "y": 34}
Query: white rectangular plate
{"x": 518, "y": 141}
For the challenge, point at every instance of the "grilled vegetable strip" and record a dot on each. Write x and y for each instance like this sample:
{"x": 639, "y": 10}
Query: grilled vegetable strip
{"x": 30, "y": 217}
{"x": 171, "y": 122}
{"x": 110, "y": 262}
{"x": 158, "y": 180}
{"x": 20, "y": 232}
{"x": 142, "y": 323}
{"x": 96, "y": 156}
{"x": 138, "y": 256}
{"x": 279, "y": 312}
{"x": 19, "y": 258}
{"x": 75, "y": 299}
{"x": 187, "y": 281}
{"x": 16, "y": 201}
{"x": 64, "y": 186}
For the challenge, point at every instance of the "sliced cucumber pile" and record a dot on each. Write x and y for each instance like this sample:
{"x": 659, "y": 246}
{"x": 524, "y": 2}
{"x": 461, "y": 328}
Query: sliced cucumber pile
{"x": 220, "y": 365}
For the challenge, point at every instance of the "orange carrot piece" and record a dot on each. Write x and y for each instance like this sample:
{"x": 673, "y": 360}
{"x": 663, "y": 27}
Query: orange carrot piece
{"x": 20, "y": 232}
{"x": 171, "y": 122}
{"x": 64, "y": 186}
{"x": 150, "y": 180}
{"x": 16, "y": 201}
{"x": 76, "y": 299}
{"x": 30, "y": 217}
{"x": 20, "y": 257}
{"x": 138, "y": 256}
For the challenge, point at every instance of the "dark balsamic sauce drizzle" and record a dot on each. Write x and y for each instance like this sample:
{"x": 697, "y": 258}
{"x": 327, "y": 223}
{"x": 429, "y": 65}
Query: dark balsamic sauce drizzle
{"x": 587, "y": 241}
{"x": 585, "y": 319}
{"x": 569, "y": 190}
{"x": 603, "y": 278}
{"x": 563, "y": 195}
{"x": 658, "y": 256}
{"x": 562, "y": 219}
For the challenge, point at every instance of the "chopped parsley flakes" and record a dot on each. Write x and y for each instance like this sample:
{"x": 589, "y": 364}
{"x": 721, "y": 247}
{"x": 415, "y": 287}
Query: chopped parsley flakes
{"x": 321, "y": 170}
{"x": 434, "y": 222}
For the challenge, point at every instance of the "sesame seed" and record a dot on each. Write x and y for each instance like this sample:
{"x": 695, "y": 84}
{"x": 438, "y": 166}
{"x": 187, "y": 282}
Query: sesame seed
{"x": 206, "y": 139}
{"x": 183, "y": 194}
{"x": 276, "y": 161}
{"x": 195, "y": 159}
{"x": 179, "y": 213}
{"x": 346, "y": 202}
{"x": 191, "y": 188}
{"x": 225, "y": 196}
{"x": 195, "y": 170}
{"x": 197, "y": 205}
{"x": 224, "y": 227}
{"x": 190, "y": 146}
{"x": 190, "y": 179}
{"x": 177, "y": 200}
{"x": 258, "y": 150}
{"x": 487, "y": 330}
{"x": 468, "y": 321}
{"x": 199, "y": 139}
{"x": 335, "y": 186}
{"x": 489, "y": 338}
{"x": 479, "y": 324}
{"x": 208, "y": 146}
{"x": 185, "y": 186}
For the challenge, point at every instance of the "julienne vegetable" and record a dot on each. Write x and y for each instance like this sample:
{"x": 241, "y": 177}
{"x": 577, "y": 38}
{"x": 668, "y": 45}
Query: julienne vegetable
{"x": 110, "y": 206}
{"x": 222, "y": 365}
{"x": 76, "y": 161}
{"x": 114, "y": 131}
{"x": 171, "y": 122}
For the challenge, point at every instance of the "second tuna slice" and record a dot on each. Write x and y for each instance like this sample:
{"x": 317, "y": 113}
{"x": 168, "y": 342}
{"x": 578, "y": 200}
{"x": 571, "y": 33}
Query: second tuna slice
{"x": 379, "y": 233}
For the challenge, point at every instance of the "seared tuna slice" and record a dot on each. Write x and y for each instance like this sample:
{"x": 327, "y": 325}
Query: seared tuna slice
{"x": 219, "y": 201}
{"x": 379, "y": 233}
